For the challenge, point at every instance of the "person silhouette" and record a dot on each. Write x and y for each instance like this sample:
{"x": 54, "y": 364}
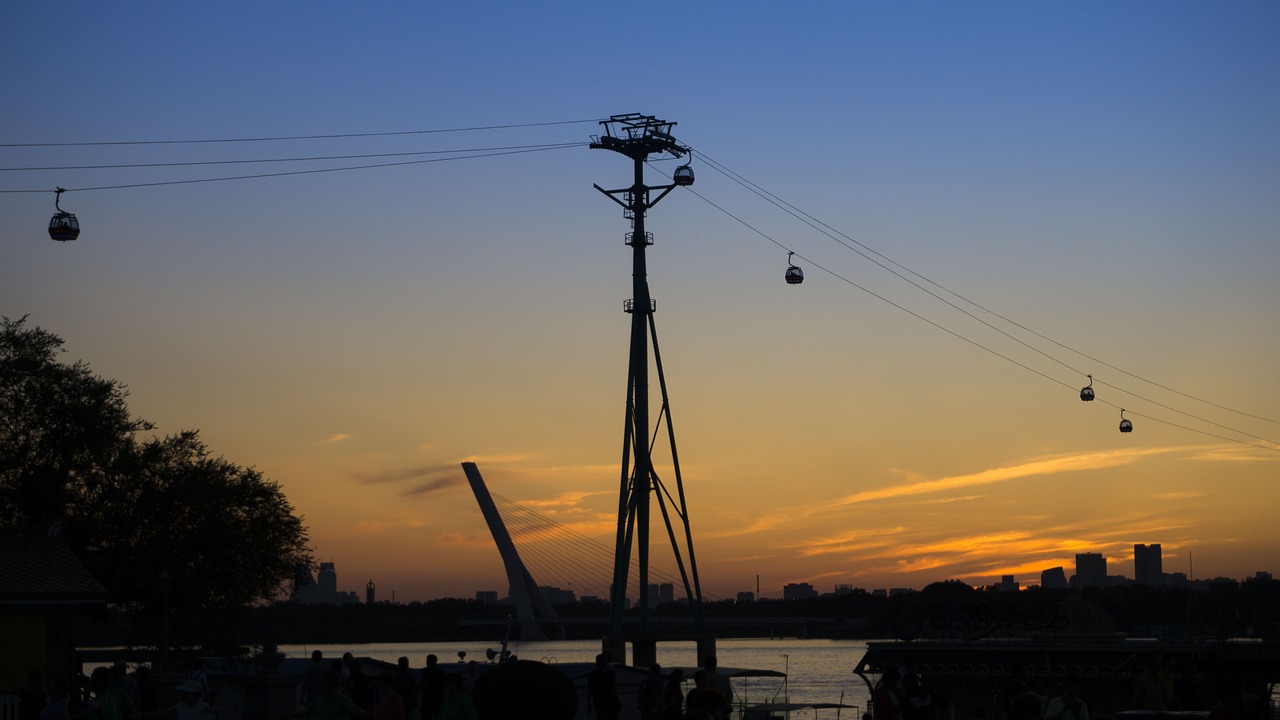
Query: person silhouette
{"x": 602, "y": 690}
{"x": 432, "y": 687}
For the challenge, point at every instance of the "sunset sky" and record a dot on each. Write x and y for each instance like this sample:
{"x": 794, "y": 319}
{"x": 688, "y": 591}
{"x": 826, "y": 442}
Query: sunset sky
{"x": 1102, "y": 179}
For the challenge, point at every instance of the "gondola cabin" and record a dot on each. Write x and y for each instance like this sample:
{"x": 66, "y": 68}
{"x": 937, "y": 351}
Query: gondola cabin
{"x": 683, "y": 176}
{"x": 64, "y": 226}
{"x": 1086, "y": 394}
{"x": 1125, "y": 425}
{"x": 795, "y": 275}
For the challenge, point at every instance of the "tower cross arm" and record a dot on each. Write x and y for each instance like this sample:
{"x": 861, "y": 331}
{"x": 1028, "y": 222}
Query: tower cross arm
{"x": 612, "y": 195}
{"x": 664, "y": 188}
{"x": 638, "y": 136}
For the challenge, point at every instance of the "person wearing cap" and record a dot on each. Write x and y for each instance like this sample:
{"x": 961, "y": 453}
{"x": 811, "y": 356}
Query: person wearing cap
{"x": 190, "y": 707}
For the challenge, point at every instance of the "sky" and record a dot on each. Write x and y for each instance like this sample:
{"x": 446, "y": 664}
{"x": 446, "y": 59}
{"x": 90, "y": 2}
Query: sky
{"x": 1102, "y": 179}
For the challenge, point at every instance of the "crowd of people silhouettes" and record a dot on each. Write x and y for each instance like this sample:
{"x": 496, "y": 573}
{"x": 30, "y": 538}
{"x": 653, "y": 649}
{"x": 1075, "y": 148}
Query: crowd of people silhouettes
{"x": 339, "y": 689}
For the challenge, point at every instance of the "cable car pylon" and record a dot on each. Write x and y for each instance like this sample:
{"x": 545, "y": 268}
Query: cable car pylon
{"x": 638, "y": 137}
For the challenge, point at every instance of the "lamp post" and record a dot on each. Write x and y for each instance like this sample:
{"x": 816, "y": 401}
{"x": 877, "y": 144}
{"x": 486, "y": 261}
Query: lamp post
{"x": 166, "y": 584}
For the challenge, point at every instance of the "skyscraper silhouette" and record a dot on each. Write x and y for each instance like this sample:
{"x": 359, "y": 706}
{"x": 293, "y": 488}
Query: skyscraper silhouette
{"x": 1148, "y": 568}
{"x": 1091, "y": 570}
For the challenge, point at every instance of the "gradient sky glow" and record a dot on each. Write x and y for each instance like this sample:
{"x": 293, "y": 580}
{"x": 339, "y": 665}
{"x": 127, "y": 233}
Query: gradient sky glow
{"x": 1105, "y": 174}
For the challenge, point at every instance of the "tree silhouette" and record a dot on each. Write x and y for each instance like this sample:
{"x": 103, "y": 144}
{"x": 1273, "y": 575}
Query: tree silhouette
{"x": 70, "y": 457}
{"x": 61, "y": 427}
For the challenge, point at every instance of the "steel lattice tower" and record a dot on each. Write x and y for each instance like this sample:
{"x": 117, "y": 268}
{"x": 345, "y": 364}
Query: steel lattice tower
{"x": 638, "y": 137}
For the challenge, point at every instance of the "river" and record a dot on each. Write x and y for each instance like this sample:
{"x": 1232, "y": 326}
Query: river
{"x": 818, "y": 671}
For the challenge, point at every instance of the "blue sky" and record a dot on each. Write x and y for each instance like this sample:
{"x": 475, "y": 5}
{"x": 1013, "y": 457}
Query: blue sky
{"x": 1106, "y": 174}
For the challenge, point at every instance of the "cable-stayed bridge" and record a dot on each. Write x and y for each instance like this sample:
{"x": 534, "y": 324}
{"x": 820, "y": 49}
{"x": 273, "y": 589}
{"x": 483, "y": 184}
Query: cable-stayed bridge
{"x": 542, "y": 556}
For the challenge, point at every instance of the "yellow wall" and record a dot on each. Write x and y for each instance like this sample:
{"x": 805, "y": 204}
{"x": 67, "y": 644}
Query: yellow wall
{"x": 34, "y": 640}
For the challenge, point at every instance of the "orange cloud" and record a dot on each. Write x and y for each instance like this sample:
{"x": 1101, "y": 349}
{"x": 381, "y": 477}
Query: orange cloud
{"x": 1235, "y": 454}
{"x": 568, "y": 499}
{"x": 371, "y": 527}
{"x": 494, "y": 459}
{"x": 452, "y": 539}
{"x": 1044, "y": 466}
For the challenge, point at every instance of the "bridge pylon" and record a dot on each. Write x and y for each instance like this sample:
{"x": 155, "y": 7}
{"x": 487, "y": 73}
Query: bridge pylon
{"x": 531, "y": 607}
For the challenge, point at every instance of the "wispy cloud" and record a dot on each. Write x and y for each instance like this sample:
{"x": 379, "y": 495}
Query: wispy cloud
{"x": 950, "y": 500}
{"x": 1039, "y": 467}
{"x": 1182, "y": 495}
{"x": 752, "y": 558}
{"x": 566, "y": 500}
{"x": 422, "y": 479}
{"x": 374, "y": 526}
{"x": 916, "y": 486}
{"x": 496, "y": 459}
{"x": 397, "y": 475}
{"x": 435, "y": 485}
{"x": 1234, "y": 454}
{"x": 754, "y": 525}
{"x": 453, "y": 539}
{"x": 445, "y": 474}
{"x": 1036, "y": 545}
{"x": 336, "y": 438}
{"x": 855, "y": 541}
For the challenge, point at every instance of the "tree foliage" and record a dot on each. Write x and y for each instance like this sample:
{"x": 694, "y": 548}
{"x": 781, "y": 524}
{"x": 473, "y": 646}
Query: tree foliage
{"x": 134, "y": 507}
{"x": 61, "y": 427}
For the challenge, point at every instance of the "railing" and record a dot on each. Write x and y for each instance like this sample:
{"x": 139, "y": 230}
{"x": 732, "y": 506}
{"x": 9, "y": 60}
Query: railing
{"x": 628, "y": 305}
{"x": 9, "y": 707}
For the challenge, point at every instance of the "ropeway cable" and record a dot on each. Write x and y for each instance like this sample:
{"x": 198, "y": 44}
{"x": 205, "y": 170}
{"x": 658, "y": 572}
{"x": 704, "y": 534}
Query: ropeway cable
{"x": 279, "y": 138}
{"x": 1274, "y": 446}
{"x": 246, "y": 161}
{"x": 298, "y": 172}
{"x": 815, "y": 223}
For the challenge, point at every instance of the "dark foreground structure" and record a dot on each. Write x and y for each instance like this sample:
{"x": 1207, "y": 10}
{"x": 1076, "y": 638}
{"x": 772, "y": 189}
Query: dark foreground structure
{"x": 978, "y": 676}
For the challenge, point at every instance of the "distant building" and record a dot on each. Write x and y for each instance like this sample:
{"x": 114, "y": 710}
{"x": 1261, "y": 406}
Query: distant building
{"x": 1054, "y": 578}
{"x": 1007, "y": 584}
{"x": 323, "y": 590}
{"x": 746, "y": 597}
{"x": 1224, "y": 583}
{"x": 844, "y": 590}
{"x": 880, "y": 593}
{"x": 798, "y": 591}
{"x": 487, "y": 597}
{"x": 661, "y": 593}
{"x": 1148, "y": 566}
{"x": 557, "y": 596}
{"x": 370, "y": 596}
{"x": 327, "y": 579}
{"x": 1091, "y": 570}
